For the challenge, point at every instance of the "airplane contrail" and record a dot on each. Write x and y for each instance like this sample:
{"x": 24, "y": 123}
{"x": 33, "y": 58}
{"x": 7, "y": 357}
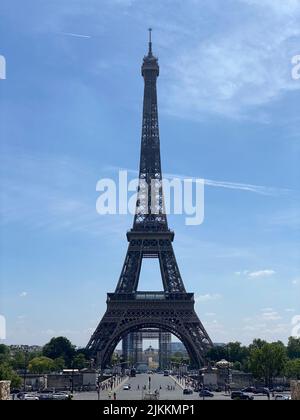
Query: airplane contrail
{"x": 257, "y": 189}
{"x": 76, "y": 35}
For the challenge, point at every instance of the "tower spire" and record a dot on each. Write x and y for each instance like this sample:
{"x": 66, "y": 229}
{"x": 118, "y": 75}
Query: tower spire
{"x": 150, "y": 42}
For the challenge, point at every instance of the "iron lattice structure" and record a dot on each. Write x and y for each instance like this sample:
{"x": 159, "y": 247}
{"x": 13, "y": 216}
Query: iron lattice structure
{"x": 128, "y": 310}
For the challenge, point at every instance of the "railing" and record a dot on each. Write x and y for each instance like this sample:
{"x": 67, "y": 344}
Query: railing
{"x": 158, "y": 296}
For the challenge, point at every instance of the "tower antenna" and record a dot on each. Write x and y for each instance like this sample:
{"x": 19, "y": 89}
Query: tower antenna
{"x": 150, "y": 41}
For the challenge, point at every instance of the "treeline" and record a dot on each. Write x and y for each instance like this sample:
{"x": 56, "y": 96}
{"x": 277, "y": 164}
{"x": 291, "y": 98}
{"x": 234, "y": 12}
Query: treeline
{"x": 264, "y": 360}
{"x": 56, "y": 355}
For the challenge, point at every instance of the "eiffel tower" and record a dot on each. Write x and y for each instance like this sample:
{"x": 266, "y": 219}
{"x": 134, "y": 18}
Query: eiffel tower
{"x": 129, "y": 310}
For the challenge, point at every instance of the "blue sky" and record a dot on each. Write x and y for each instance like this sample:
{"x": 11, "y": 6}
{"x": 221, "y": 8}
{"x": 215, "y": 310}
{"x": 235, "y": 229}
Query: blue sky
{"x": 70, "y": 114}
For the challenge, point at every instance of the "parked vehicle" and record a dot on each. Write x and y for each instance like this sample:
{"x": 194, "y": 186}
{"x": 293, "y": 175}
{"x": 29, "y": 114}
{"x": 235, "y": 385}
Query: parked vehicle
{"x": 250, "y": 389}
{"x": 277, "y": 389}
{"x": 282, "y": 398}
{"x": 46, "y": 394}
{"x": 188, "y": 391}
{"x": 205, "y": 393}
{"x": 30, "y": 397}
{"x": 61, "y": 396}
{"x": 264, "y": 391}
{"x": 239, "y": 395}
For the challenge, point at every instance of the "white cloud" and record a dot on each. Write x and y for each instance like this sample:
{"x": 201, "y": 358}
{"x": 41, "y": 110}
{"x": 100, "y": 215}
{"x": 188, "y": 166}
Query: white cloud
{"x": 23, "y": 294}
{"x": 266, "y": 331}
{"x": 254, "y": 327}
{"x": 65, "y": 204}
{"x": 209, "y": 314}
{"x": 296, "y": 281}
{"x": 49, "y": 332}
{"x": 208, "y": 297}
{"x": 289, "y": 218}
{"x": 236, "y": 72}
{"x": 271, "y": 316}
{"x": 255, "y": 274}
{"x": 280, "y": 7}
{"x": 290, "y": 310}
{"x": 261, "y": 274}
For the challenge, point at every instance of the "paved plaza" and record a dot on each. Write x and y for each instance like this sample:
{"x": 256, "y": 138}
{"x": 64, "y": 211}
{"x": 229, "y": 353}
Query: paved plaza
{"x": 158, "y": 382}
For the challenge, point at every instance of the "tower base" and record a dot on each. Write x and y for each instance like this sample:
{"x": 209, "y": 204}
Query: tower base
{"x": 128, "y": 313}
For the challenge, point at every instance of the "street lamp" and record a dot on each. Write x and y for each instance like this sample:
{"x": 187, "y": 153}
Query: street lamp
{"x": 72, "y": 379}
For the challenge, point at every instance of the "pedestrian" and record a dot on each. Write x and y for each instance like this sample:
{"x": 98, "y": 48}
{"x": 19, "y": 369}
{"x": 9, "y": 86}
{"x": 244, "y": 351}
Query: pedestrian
{"x": 115, "y": 396}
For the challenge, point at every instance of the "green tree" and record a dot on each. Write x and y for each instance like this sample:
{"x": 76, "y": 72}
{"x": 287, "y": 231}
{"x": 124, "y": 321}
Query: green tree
{"x": 59, "y": 364}
{"x": 18, "y": 359}
{"x": 8, "y": 374}
{"x": 237, "y": 366}
{"x": 179, "y": 357}
{"x": 292, "y": 369}
{"x": 217, "y": 353}
{"x": 60, "y": 347}
{"x": 115, "y": 359}
{"x": 79, "y": 361}
{"x": 236, "y": 352}
{"x": 4, "y": 353}
{"x": 41, "y": 365}
{"x": 293, "y": 348}
{"x": 257, "y": 344}
{"x": 21, "y": 358}
{"x": 267, "y": 361}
